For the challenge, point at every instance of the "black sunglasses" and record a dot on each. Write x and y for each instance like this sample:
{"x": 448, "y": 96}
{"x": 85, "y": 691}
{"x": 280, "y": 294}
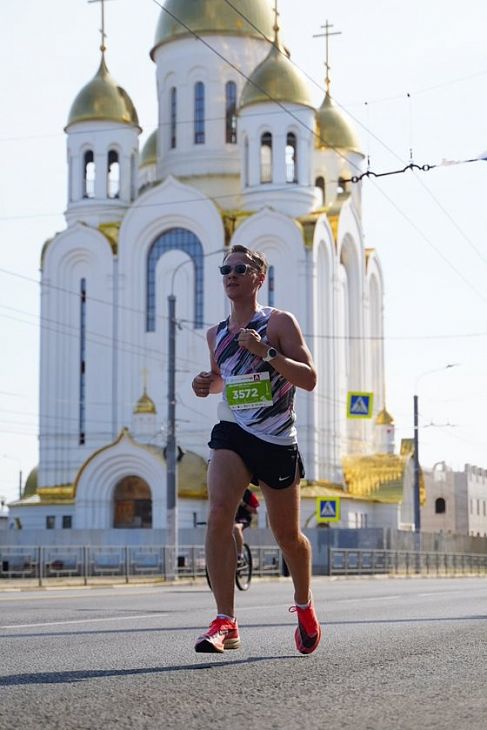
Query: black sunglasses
{"x": 240, "y": 269}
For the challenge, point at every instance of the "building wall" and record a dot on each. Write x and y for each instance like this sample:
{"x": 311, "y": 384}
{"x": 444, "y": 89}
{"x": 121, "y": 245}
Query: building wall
{"x": 476, "y": 479}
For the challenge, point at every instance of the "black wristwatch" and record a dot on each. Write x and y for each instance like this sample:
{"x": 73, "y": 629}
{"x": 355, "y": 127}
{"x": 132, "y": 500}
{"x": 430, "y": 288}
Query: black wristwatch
{"x": 270, "y": 354}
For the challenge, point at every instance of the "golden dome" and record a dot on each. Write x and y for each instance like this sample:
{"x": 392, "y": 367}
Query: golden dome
{"x": 212, "y": 16}
{"x": 384, "y": 418}
{"x": 333, "y": 128}
{"x": 30, "y": 486}
{"x": 145, "y": 404}
{"x": 103, "y": 100}
{"x": 277, "y": 79}
{"x": 148, "y": 155}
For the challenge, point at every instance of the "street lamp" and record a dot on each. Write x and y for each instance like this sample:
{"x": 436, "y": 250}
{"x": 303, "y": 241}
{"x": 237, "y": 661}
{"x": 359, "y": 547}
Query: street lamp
{"x": 171, "y": 445}
{"x": 417, "y": 512}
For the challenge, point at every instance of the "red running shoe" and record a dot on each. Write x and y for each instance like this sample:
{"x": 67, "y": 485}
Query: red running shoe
{"x": 222, "y": 635}
{"x": 308, "y": 633}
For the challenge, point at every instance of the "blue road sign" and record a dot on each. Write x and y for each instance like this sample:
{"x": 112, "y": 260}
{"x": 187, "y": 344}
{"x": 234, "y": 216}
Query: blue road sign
{"x": 359, "y": 405}
{"x": 327, "y": 509}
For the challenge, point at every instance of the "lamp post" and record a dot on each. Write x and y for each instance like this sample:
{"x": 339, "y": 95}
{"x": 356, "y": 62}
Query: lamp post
{"x": 417, "y": 510}
{"x": 171, "y": 445}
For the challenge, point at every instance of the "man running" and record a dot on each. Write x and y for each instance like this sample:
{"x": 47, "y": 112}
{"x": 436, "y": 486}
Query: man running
{"x": 258, "y": 357}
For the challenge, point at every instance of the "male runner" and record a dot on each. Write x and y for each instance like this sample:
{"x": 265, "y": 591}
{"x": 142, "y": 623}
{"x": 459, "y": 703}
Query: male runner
{"x": 258, "y": 357}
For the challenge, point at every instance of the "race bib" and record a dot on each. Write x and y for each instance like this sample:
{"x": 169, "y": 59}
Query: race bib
{"x": 248, "y": 391}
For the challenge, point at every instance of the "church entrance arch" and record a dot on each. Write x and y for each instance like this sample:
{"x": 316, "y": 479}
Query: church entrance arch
{"x": 175, "y": 239}
{"x": 132, "y": 503}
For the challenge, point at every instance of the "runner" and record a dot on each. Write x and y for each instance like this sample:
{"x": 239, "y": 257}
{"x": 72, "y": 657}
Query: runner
{"x": 247, "y": 507}
{"x": 258, "y": 357}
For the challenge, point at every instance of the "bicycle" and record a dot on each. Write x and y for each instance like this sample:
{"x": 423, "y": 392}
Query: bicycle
{"x": 243, "y": 573}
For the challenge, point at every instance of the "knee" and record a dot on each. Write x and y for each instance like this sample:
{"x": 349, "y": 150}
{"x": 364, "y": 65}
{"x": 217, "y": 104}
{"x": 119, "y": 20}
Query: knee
{"x": 220, "y": 518}
{"x": 291, "y": 540}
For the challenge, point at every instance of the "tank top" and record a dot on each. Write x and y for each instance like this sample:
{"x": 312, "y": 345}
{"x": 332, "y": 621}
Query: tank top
{"x": 275, "y": 423}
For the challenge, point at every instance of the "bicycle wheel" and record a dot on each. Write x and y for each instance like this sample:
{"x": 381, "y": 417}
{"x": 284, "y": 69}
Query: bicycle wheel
{"x": 243, "y": 574}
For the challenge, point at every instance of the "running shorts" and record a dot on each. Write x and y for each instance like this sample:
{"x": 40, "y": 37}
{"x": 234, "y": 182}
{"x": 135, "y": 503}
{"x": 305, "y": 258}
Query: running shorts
{"x": 269, "y": 463}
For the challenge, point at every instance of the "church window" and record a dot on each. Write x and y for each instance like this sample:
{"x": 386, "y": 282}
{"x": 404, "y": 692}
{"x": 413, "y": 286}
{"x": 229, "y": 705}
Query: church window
{"x": 113, "y": 175}
{"x": 342, "y": 186}
{"x": 320, "y": 183}
{"x": 89, "y": 174}
{"x": 173, "y": 113}
{"x": 133, "y": 176}
{"x": 246, "y": 162}
{"x": 266, "y": 158}
{"x": 291, "y": 158}
{"x": 175, "y": 239}
{"x": 50, "y": 522}
{"x": 440, "y": 506}
{"x": 82, "y": 363}
{"x": 270, "y": 286}
{"x": 67, "y": 522}
{"x": 199, "y": 113}
{"x": 231, "y": 112}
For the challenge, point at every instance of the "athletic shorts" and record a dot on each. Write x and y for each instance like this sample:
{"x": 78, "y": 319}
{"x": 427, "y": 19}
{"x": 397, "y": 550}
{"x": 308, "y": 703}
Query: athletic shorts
{"x": 270, "y": 463}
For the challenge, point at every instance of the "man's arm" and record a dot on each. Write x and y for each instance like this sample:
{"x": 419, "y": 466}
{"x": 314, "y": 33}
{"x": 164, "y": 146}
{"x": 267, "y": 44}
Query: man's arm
{"x": 293, "y": 361}
{"x": 209, "y": 382}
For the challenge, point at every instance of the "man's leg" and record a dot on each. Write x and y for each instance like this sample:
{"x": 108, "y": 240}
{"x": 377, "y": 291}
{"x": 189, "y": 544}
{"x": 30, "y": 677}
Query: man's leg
{"x": 283, "y": 509}
{"x": 239, "y": 538}
{"x": 227, "y": 478}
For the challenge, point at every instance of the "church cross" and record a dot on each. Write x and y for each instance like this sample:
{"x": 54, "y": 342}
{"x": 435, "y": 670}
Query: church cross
{"x": 102, "y": 29}
{"x": 326, "y": 35}
{"x": 276, "y": 21}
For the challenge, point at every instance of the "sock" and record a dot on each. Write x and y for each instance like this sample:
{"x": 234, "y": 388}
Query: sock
{"x": 304, "y": 605}
{"x": 224, "y": 615}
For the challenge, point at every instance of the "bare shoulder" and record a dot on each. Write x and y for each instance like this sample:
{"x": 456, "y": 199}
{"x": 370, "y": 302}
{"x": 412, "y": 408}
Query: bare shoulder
{"x": 282, "y": 321}
{"x": 211, "y": 335}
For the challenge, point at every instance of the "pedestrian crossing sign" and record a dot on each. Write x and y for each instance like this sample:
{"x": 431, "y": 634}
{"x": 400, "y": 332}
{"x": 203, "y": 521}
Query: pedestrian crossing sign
{"x": 359, "y": 405}
{"x": 327, "y": 509}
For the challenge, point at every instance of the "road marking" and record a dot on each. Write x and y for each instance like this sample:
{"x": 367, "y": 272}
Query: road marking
{"x": 83, "y": 621}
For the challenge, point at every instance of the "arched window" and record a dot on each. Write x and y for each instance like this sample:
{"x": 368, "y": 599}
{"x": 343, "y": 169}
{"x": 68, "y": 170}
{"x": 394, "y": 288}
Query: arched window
{"x": 113, "y": 175}
{"x": 199, "y": 113}
{"x": 246, "y": 162}
{"x": 320, "y": 183}
{"x": 270, "y": 286}
{"x": 231, "y": 112}
{"x": 178, "y": 239}
{"x": 266, "y": 158}
{"x": 440, "y": 506}
{"x": 173, "y": 113}
{"x": 291, "y": 158}
{"x": 89, "y": 174}
{"x": 82, "y": 363}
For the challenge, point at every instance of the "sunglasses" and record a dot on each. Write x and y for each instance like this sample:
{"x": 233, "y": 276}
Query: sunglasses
{"x": 239, "y": 269}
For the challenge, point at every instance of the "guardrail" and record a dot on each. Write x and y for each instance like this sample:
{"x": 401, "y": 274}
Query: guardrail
{"x": 91, "y": 564}
{"x": 349, "y": 561}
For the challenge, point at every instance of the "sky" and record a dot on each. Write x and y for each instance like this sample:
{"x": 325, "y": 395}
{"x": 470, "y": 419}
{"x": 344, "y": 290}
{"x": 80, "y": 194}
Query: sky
{"x": 410, "y": 76}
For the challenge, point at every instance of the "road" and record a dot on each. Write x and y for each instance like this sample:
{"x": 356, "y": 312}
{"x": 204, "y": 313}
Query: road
{"x": 396, "y": 653}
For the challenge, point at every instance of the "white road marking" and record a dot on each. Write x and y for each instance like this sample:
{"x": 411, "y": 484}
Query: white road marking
{"x": 82, "y": 621}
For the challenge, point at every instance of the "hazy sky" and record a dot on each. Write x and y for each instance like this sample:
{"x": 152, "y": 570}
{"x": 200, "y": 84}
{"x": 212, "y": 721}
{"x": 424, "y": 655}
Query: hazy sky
{"x": 428, "y": 228}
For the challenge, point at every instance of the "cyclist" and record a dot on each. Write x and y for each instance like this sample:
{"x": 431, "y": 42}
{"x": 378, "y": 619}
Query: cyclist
{"x": 247, "y": 507}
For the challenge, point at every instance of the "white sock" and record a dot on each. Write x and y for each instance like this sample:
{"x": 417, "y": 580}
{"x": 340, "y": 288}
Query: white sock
{"x": 224, "y": 615}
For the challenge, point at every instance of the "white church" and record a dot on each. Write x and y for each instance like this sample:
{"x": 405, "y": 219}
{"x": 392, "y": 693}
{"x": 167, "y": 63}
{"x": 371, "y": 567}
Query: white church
{"x": 240, "y": 155}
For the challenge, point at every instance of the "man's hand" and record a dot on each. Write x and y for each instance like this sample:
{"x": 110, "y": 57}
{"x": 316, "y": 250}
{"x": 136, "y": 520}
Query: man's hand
{"x": 251, "y": 341}
{"x": 201, "y": 384}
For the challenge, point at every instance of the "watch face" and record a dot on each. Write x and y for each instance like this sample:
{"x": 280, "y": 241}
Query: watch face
{"x": 271, "y": 353}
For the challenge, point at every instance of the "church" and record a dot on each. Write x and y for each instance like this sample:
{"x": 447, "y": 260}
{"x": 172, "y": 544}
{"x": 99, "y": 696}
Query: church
{"x": 241, "y": 155}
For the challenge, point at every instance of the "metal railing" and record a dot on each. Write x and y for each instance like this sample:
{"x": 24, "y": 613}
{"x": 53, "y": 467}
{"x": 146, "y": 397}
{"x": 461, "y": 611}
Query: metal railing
{"x": 91, "y": 564}
{"x": 349, "y": 561}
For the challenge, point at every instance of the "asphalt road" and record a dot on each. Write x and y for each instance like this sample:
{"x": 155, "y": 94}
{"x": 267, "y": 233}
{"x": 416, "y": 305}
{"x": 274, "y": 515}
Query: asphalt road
{"x": 396, "y": 653}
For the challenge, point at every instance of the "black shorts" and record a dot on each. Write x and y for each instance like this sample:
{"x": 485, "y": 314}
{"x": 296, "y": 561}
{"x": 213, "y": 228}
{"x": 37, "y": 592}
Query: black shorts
{"x": 269, "y": 463}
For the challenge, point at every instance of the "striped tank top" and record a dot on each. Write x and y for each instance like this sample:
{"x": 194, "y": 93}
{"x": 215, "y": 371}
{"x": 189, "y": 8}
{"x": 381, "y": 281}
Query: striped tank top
{"x": 275, "y": 423}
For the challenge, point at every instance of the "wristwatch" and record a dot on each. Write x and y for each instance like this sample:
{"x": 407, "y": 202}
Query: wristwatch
{"x": 270, "y": 354}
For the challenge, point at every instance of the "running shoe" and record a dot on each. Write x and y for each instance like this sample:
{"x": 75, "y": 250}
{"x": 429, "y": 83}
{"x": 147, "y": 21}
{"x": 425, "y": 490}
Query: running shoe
{"x": 308, "y": 633}
{"x": 222, "y": 635}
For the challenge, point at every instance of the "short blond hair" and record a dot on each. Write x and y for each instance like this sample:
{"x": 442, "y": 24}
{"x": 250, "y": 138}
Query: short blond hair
{"x": 258, "y": 259}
